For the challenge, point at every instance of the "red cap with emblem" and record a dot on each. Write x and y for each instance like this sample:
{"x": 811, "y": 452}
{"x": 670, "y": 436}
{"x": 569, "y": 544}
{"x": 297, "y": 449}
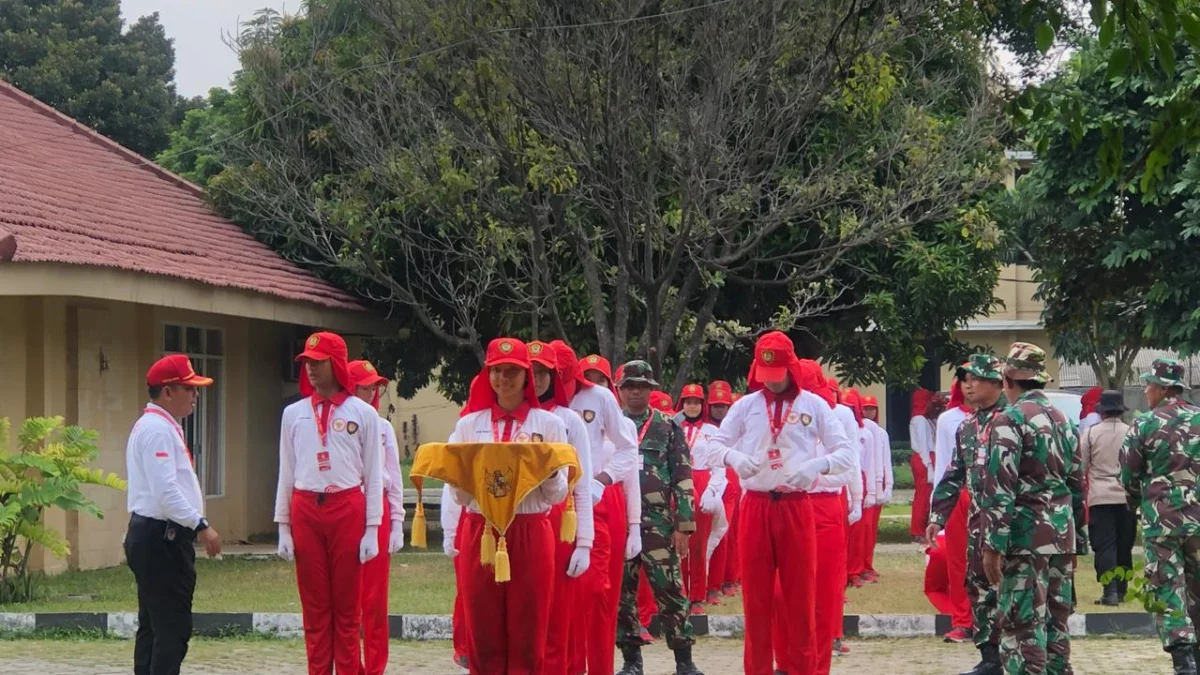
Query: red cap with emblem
{"x": 175, "y": 369}
{"x": 330, "y": 347}
{"x": 774, "y": 357}
{"x": 597, "y": 363}
{"x": 544, "y": 354}
{"x": 363, "y": 374}
{"x": 660, "y": 400}
{"x": 500, "y": 352}
{"x": 695, "y": 391}
{"x": 720, "y": 393}
{"x": 853, "y": 400}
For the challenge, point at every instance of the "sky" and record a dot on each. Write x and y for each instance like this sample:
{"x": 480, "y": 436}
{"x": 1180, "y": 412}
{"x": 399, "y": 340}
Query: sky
{"x": 202, "y": 60}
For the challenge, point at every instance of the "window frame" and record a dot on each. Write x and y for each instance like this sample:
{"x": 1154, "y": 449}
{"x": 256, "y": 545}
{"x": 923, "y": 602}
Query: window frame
{"x": 220, "y": 412}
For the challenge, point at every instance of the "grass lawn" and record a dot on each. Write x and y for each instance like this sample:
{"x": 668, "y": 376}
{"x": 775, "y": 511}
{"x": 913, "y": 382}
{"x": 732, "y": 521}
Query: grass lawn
{"x": 423, "y": 583}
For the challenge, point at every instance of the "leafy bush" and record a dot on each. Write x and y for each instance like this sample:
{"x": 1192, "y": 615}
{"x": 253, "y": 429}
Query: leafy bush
{"x": 51, "y": 465}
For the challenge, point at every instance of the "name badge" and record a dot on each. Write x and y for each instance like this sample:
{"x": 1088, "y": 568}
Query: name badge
{"x": 641, "y": 462}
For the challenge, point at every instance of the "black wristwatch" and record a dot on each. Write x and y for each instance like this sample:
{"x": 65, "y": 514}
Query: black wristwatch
{"x": 201, "y": 526}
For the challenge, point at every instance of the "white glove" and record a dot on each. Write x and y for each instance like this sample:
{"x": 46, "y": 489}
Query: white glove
{"x": 742, "y": 464}
{"x": 448, "y": 544}
{"x": 287, "y": 547}
{"x": 710, "y": 501}
{"x": 887, "y": 497}
{"x": 368, "y": 548}
{"x": 597, "y": 491}
{"x": 461, "y": 497}
{"x": 869, "y": 502}
{"x": 855, "y": 514}
{"x": 396, "y": 540}
{"x": 581, "y": 559}
{"x": 805, "y": 477}
{"x": 633, "y": 543}
{"x": 929, "y": 469}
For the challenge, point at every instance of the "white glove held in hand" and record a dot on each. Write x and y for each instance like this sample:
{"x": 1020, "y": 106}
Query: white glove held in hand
{"x": 396, "y": 540}
{"x": 710, "y": 501}
{"x": 806, "y": 476}
{"x": 742, "y": 464}
{"x": 887, "y": 497}
{"x": 855, "y": 514}
{"x": 448, "y": 544}
{"x": 869, "y": 502}
{"x": 633, "y": 543}
{"x": 581, "y": 559}
{"x": 368, "y": 548}
{"x": 461, "y": 497}
{"x": 287, "y": 547}
{"x": 597, "y": 491}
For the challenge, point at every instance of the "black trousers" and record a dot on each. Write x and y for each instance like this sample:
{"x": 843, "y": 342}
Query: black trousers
{"x": 1112, "y": 528}
{"x": 163, "y": 560}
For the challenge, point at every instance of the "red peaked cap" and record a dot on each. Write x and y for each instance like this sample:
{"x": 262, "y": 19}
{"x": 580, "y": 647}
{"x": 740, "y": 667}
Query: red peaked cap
{"x": 568, "y": 366}
{"x": 661, "y": 400}
{"x": 501, "y": 351}
{"x": 326, "y": 347}
{"x": 813, "y": 379}
{"x": 774, "y": 356}
{"x": 1089, "y": 401}
{"x": 853, "y": 400}
{"x": 600, "y": 365}
{"x": 363, "y": 374}
{"x": 920, "y": 402}
{"x": 693, "y": 391}
{"x": 720, "y": 393}
{"x": 543, "y": 353}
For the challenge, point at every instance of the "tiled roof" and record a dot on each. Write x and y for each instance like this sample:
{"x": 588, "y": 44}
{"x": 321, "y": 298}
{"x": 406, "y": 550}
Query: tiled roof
{"x": 68, "y": 195}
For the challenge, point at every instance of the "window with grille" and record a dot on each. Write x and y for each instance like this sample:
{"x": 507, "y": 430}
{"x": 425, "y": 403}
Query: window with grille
{"x": 204, "y": 429}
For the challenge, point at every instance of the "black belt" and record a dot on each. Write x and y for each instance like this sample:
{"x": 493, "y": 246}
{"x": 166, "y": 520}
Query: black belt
{"x": 171, "y": 531}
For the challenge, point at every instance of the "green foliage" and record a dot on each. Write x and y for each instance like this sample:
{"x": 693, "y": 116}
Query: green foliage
{"x": 1139, "y": 589}
{"x": 47, "y": 471}
{"x": 194, "y": 145}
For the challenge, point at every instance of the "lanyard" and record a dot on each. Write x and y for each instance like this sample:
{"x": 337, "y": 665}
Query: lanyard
{"x": 691, "y": 431}
{"x": 322, "y": 418}
{"x": 645, "y": 428}
{"x": 777, "y": 429}
{"x": 497, "y": 437}
{"x": 178, "y": 430}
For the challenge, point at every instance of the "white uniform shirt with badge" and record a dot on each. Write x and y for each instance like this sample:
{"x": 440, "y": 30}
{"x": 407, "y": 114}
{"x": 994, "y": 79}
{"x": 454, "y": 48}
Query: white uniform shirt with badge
{"x": 602, "y": 415}
{"x": 162, "y": 480}
{"x": 477, "y": 428}
{"x": 747, "y": 429}
{"x": 851, "y": 479}
{"x": 706, "y": 456}
{"x": 578, "y": 437}
{"x": 350, "y": 457}
{"x": 393, "y": 478}
{"x": 946, "y": 441}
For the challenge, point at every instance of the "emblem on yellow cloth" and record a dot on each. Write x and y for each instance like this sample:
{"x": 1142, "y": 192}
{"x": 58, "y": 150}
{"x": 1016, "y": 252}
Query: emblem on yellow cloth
{"x": 499, "y": 483}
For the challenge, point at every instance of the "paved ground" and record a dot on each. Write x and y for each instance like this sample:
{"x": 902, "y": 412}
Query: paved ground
{"x": 717, "y": 657}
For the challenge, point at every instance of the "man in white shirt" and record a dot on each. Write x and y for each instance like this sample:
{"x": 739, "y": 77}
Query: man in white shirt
{"x": 773, "y": 438}
{"x": 329, "y": 502}
{"x": 368, "y": 384}
{"x": 166, "y": 517}
{"x": 884, "y": 478}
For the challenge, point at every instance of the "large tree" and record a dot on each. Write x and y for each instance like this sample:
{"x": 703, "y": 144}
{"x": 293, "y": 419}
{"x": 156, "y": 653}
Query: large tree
{"x": 76, "y": 57}
{"x": 1113, "y": 252}
{"x": 661, "y": 179}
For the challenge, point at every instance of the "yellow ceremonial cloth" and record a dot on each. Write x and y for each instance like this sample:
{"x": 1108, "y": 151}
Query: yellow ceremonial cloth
{"x": 497, "y": 475}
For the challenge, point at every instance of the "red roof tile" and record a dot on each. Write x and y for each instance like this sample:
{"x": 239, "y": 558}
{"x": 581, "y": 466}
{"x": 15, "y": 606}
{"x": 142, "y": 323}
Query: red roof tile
{"x": 69, "y": 195}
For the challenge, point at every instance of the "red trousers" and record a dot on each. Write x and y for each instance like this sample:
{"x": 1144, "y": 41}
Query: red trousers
{"x": 458, "y": 623}
{"x": 695, "y": 567}
{"x": 374, "y": 601}
{"x": 647, "y": 605}
{"x": 956, "y": 563}
{"x": 562, "y": 604}
{"x": 778, "y": 545}
{"x": 829, "y": 519}
{"x": 600, "y": 594}
{"x": 872, "y": 537}
{"x": 508, "y": 621}
{"x": 327, "y": 529}
{"x": 856, "y": 543}
{"x": 937, "y": 580}
{"x": 723, "y": 568}
{"x": 921, "y": 498}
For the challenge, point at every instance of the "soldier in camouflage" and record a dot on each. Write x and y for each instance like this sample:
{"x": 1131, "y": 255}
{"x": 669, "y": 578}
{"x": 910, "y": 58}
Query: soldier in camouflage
{"x": 668, "y": 520}
{"x": 1033, "y": 519}
{"x": 969, "y": 467}
{"x": 1159, "y": 464}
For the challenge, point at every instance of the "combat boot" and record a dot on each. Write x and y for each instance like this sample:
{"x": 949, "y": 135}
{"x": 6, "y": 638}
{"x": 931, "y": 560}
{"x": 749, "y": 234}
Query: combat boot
{"x": 632, "y": 657}
{"x": 989, "y": 663}
{"x": 1111, "y": 597}
{"x": 683, "y": 661}
{"x": 1184, "y": 660}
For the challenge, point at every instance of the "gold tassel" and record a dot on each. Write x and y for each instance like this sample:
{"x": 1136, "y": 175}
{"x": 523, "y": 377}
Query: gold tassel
{"x": 503, "y": 571}
{"x": 570, "y": 522}
{"x": 487, "y": 547}
{"x": 419, "y": 535}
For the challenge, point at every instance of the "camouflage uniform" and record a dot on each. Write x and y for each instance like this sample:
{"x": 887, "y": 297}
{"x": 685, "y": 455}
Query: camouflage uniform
{"x": 1159, "y": 464}
{"x": 969, "y": 466}
{"x": 1033, "y": 507}
{"x": 667, "y": 507}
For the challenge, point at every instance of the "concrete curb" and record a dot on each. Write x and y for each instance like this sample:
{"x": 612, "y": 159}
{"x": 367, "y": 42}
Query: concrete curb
{"x": 437, "y": 627}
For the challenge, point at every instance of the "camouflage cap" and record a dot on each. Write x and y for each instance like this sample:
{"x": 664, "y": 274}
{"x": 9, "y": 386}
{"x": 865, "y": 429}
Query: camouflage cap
{"x": 1165, "y": 373}
{"x": 637, "y": 372}
{"x": 985, "y": 366}
{"x": 1026, "y": 362}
